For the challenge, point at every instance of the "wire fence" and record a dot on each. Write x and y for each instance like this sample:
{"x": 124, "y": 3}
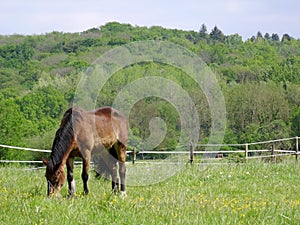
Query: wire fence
{"x": 268, "y": 149}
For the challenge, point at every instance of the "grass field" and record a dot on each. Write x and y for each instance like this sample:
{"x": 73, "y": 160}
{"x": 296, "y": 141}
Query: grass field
{"x": 250, "y": 193}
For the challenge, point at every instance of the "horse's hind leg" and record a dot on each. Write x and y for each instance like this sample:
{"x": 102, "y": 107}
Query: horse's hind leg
{"x": 118, "y": 151}
{"x": 112, "y": 162}
{"x": 122, "y": 172}
{"x": 70, "y": 177}
{"x": 122, "y": 166}
{"x": 85, "y": 174}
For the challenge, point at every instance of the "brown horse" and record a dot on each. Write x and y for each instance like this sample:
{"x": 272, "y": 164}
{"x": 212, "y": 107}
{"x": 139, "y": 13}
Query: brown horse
{"x": 81, "y": 132}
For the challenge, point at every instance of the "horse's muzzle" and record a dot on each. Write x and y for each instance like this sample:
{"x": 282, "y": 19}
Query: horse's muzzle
{"x": 52, "y": 190}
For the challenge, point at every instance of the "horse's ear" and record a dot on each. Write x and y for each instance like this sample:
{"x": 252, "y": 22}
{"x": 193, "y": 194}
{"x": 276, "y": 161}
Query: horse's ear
{"x": 45, "y": 161}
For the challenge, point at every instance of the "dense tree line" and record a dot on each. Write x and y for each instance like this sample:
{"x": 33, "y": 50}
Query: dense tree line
{"x": 260, "y": 79}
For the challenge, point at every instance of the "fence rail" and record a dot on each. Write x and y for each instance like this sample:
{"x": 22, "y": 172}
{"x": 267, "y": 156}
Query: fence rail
{"x": 191, "y": 150}
{"x": 243, "y": 149}
{"x": 25, "y": 149}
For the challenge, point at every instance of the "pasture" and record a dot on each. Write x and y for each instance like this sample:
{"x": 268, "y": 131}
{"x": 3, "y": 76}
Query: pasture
{"x": 246, "y": 193}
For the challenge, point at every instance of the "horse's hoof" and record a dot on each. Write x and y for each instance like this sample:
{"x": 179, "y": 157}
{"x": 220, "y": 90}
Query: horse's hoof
{"x": 123, "y": 194}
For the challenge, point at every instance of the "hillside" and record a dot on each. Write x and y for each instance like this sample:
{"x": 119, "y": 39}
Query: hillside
{"x": 259, "y": 77}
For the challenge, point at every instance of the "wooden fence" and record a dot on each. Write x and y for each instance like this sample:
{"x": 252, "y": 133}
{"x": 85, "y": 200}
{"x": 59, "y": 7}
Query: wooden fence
{"x": 246, "y": 150}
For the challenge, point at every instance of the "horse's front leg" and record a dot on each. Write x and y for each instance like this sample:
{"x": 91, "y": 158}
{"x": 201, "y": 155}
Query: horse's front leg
{"x": 85, "y": 174}
{"x": 70, "y": 176}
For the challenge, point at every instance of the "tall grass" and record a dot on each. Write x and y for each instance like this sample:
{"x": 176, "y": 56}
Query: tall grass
{"x": 250, "y": 193}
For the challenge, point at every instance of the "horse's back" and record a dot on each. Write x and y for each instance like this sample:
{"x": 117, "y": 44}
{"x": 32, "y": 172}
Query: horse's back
{"x": 108, "y": 112}
{"x": 112, "y": 122}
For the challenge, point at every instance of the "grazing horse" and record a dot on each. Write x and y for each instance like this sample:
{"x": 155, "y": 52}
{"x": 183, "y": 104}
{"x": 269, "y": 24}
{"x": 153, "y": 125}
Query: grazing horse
{"x": 104, "y": 130}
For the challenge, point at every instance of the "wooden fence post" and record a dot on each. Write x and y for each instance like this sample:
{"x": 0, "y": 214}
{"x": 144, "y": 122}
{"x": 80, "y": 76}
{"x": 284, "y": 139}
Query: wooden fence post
{"x": 191, "y": 153}
{"x": 297, "y": 148}
{"x": 272, "y": 152}
{"x": 133, "y": 156}
{"x": 246, "y": 151}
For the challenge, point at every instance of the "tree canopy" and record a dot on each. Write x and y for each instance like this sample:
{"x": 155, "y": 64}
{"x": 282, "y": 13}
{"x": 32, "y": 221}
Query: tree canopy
{"x": 260, "y": 79}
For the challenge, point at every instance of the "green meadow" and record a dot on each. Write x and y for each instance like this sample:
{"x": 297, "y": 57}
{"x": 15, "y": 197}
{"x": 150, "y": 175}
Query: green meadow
{"x": 247, "y": 193}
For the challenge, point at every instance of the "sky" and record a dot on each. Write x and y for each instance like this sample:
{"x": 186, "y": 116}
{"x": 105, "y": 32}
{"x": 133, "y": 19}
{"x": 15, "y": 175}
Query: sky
{"x": 244, "y": 17}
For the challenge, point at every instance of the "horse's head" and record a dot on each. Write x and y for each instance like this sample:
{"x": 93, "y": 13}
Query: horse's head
{"x": 55, "y": 179}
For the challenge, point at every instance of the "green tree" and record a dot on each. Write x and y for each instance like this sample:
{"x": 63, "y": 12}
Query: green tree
{"x": 286, "y": 37}
{"x": 267, "y": 36}
{"x": 256, "y": 103}
{"x": 259, "y": 35}
{"x": 275, "y": 37}
{"x": 270, "y": 131}
{"x": 234, "y": 39}
{"x": 43, "y": 107}
{"x": 15, "y": 55}
{"x": 203, "y": 31}
{"x": 13, "y": 128}
{"x": 217, "y": 35}
{"x": 295, "y": 121}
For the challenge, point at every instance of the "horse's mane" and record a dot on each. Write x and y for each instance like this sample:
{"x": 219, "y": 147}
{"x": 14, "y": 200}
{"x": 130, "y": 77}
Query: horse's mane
{"x": 63, "y": 137}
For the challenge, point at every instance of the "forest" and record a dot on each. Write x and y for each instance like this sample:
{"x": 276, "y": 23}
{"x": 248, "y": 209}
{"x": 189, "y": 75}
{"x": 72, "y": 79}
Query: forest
{"x": 259, "y": 78}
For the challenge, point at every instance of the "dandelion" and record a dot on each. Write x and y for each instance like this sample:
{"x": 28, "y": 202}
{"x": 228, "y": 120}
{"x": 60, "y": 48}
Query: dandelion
{"x": 157, "y": 198}
{"x": 175, "y": 215}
